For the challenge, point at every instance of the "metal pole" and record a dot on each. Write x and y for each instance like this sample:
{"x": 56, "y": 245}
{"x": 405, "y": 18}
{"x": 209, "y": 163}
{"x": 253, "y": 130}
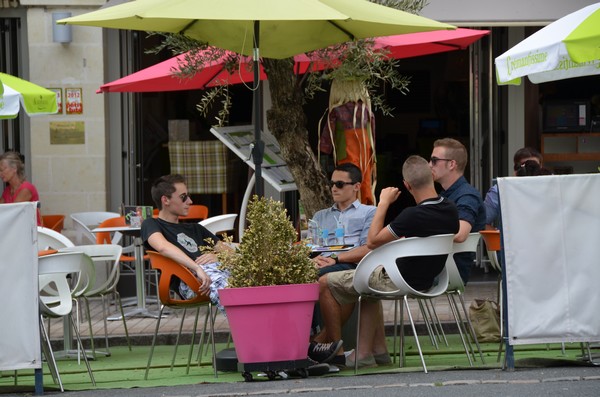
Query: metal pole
{"x": 258, "y": 149}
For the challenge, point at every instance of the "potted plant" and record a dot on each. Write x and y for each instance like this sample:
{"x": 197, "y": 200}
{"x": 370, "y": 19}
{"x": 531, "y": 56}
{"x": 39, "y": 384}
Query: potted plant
{"x": 271, "y": 293}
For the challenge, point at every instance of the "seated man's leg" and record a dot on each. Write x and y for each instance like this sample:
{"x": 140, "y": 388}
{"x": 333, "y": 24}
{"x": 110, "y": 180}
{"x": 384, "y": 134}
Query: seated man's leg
{"x": 336, "y": 298}
{"x": 317, "y": 321}
{"x": 372, "y": 344}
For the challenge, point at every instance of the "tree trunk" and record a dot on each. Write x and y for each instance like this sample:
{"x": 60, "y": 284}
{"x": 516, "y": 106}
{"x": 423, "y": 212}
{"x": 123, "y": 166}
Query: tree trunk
{"x": 287, "y": 122}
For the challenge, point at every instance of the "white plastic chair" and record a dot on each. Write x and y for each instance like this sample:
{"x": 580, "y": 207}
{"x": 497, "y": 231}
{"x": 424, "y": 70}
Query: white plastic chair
{"x": 53, "y": 271}
{"x": 84, "y": 222}
{"x": 51, "y": 239}
{"x": 103, "y": 255}
{"x": 386, "y": 256}
{"x": 219, "y": 223}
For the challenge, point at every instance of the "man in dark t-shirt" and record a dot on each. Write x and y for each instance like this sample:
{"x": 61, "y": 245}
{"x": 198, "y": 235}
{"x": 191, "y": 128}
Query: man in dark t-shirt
{"x": 182, "y": 241}
{"x": 432, "y": 215}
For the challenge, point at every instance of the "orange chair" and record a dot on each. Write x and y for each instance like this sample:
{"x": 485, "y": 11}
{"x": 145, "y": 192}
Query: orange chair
{"x": 54, "y": 222}
{"x": 169, "y": 269}
{"x": 197, "y": 213}
{"x": 127, "y": 257}
{"x": 106, "y": 238}
{"x": 492, "y": 239}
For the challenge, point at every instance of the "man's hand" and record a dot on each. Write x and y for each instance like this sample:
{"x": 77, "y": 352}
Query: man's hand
{"x": 207, "y": 258}
{"x": 389, "y": 195}
{"x": 323, "y": 261}
{"x": 204, "y": 281}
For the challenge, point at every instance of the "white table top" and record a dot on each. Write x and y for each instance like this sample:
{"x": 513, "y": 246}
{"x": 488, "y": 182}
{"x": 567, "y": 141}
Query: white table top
{"x": 126, "y": 228}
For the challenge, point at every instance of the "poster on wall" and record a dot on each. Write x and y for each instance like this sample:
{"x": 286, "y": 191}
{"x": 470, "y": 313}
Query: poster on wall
{"x": 74, "y": 101}
{"x": 58, "y": 92}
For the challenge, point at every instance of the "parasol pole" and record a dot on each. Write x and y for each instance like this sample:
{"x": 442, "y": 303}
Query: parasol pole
{"x": 259, "y": 146}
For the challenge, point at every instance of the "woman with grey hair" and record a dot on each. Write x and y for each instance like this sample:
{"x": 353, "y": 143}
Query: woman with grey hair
{"x": 12, "y": 172}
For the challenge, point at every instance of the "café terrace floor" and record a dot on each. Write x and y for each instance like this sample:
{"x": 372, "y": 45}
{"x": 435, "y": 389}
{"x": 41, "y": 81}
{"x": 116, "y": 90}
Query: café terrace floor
{"x": 482, "y": 286}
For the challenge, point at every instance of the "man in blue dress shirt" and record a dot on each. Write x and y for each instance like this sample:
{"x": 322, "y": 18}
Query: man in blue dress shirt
{"x": 448, "y": 162}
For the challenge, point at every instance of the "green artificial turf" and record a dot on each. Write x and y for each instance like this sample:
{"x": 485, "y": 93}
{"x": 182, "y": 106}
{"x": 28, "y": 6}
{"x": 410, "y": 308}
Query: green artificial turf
{"x": 125, "y": 369}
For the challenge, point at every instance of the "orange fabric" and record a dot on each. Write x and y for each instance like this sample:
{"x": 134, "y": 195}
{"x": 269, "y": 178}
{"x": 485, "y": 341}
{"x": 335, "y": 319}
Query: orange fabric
{"x": 360, "y": 153}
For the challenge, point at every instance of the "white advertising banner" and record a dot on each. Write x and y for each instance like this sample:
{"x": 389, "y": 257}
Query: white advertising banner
{"x": 20, "y": 331}
{"x": 551, "y": 235}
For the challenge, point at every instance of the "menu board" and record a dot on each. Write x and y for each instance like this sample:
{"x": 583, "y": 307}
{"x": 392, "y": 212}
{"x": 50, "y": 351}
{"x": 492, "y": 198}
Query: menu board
{"x": 274, "y": 169}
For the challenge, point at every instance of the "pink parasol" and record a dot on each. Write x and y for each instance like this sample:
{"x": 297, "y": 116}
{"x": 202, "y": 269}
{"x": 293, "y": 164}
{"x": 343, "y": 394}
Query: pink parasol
{"x": 160, "y": 77}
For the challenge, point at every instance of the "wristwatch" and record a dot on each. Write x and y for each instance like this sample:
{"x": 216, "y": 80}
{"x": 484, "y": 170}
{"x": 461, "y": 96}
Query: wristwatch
{"x": 335, "y": 258}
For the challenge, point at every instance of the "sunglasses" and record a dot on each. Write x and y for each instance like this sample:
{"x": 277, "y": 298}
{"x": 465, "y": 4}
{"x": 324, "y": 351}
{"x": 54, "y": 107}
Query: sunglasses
{"x": 433, "y": 160}
{"x": 184, "y": 197}
{"x": 340, "y": 184}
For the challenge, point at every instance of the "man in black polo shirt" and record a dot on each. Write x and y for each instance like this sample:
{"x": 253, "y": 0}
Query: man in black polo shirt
{"x": 432, "y": 215}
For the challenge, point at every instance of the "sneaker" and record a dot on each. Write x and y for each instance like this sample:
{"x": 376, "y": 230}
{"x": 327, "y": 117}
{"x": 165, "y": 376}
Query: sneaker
{"x": 339, "y": 361}
{"x": 324, "y": 352}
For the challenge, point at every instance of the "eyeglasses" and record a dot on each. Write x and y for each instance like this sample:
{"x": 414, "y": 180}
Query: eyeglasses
{"x": 340, "y": 184}
{"x": 433, "y": 160}
{"x": 184, "y": 197}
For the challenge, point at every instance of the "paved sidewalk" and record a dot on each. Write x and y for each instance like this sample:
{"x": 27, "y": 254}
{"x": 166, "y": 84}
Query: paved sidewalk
{"x": 563, "y": 381}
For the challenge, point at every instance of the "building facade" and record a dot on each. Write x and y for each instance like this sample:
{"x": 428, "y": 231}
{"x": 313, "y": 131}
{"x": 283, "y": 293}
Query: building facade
{"x": 91, "y": 156}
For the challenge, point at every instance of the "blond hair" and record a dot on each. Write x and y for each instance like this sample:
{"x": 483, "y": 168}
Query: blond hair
{"x": 13, "y": 160}
{"x": 454, "y": 151}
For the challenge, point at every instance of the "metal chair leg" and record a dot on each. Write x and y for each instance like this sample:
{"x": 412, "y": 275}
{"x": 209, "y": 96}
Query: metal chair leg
{"x": 471, "y": 329}
{"x": 460, "y": 325}
{"x": 153, "y": 342}
{"x": 49, "y": 354}
{"x": 436, "y": 319}
{"x": 118, "y": 298}
{"x": 193, "y": 341}
{"x": 428, "y": 324}
{"x": 85, "y": 359}
{"x": 414, "y": 329}
{"x": 177, "y": 339}
{"x": 356, "y": 348}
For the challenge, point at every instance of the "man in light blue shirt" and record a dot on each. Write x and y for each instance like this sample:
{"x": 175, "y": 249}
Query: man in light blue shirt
{"x": 348, "y": 211}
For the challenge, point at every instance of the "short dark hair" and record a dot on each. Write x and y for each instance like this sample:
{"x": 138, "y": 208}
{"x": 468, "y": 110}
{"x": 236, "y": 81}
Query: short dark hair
{"x": 165, "y": 186}
{"x": 416, "y": 172}
{"x": 526, "y": 153}
{"x": 353, "y": 171}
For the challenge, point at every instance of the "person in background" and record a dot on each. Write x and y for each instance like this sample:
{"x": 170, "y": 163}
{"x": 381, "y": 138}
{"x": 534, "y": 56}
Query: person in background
{"x": 492, "y": 200}
{"x": 532, "y": 168}
{"x": 12, "y": 171}
{"x": 448, "y": 162}
{"x": 432, "y": 215}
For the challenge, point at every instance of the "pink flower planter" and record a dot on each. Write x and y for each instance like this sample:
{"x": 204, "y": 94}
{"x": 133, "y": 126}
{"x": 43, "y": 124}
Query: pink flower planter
{"x": 271, "y": 323}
